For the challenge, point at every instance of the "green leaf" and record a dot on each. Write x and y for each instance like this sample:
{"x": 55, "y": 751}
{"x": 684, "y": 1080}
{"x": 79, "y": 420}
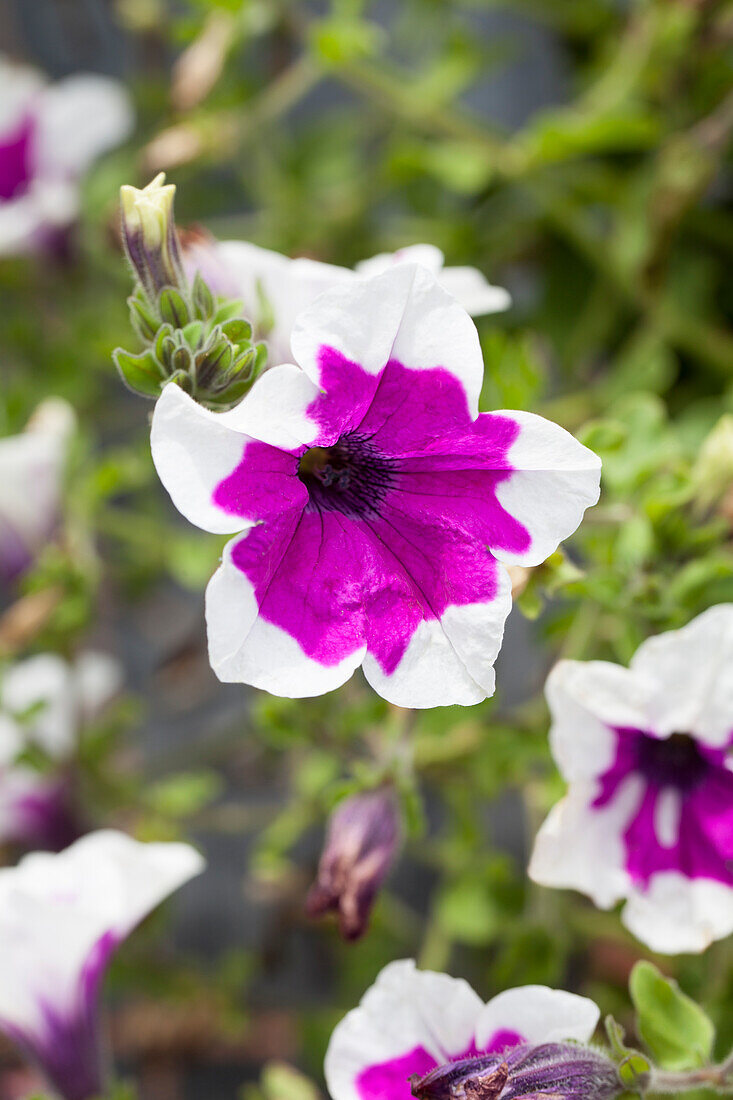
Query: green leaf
{"x": 203, "y": 299}
{"x": 237, "y": 330}
{"x": 142, "y": 318}
{"x": 140, "y": 373}
{"x": 227, "y": 311}
{"x": 678, "y": 1033}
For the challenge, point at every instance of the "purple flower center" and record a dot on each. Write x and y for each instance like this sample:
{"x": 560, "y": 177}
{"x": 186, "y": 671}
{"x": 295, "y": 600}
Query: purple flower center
{"x": 674, "y": 761}
{"x": 350, "y": 477}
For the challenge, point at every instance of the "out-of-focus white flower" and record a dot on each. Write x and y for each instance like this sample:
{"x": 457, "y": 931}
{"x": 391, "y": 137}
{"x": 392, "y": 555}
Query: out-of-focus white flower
{"x": 61, "y": 918}
{"x": 275, "y": 288}
{"x": 45, "y": 702}
{"x": 31, "y": 474}
{"x": 50, "y": 134}
{"x": 648, "y": 816}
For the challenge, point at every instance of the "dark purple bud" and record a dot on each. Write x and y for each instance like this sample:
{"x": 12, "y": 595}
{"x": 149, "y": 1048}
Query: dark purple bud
{"x": 361, "y": 842}
{"x": 550, "y": 1071}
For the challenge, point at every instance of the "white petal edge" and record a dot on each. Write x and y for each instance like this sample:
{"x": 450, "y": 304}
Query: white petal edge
{"x": 244, "y": 648}
{"x": 539, "y": 1014}
{"x": 402, "y": 314}
{"x": 193, "y": 452}
{"x": 579, "y": 847}
{"x": 474, "y": 291}
{"x": 586, "y": 698}
{"x": 404, "y": 1009}
{"x": 677, "y": 915}
{"x": 691, "y": 671}
{"x": 80, "y": 118}
{"x": 555, "y": 479}
{"x": 451, "y": 660}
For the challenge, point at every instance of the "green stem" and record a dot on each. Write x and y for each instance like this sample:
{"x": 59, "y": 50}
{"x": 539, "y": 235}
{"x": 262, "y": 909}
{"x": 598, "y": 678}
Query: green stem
{"x": 718, "y": 1077}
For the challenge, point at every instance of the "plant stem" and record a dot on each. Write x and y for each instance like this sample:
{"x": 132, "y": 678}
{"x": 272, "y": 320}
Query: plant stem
{"x": 719, "y": 1077}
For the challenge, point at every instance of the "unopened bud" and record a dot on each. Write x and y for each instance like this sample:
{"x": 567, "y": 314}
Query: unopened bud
{"x": 556, "y": 1071}
{"x": 150, "y": 238}
{"x": 361, "y": 842}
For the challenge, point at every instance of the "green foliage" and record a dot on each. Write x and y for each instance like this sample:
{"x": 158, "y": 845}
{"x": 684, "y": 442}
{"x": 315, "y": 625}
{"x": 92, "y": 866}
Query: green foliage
{"x": 677, "y": 1032}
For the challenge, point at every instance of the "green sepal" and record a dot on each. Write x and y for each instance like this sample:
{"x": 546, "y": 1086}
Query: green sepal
{"x": 193, "y": 334}
{"x": 203, "y": 300}
{"x": 678, "y": 1033}
{"x": 159, "y": 345}
{"x": 142, "y": 317}
{"x": 173, "y": 307}
{"x": 227, "y": 311}
{"x": 140, "y": 373}
{"x": 632, "y": 1066}
{"x": 237, "y": 330}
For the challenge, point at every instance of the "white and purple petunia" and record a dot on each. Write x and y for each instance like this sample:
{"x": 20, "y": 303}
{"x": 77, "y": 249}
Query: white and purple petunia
{"x": 31, "y": 477}
{"x": 61, "y": 918}
{"x": 276, "y": 288}
{"x": 50, "y": 135}
{"x": 373, "y": 504}
{"x": 648, "y": 816}
{"x": 411, "y": 1022}
{"x": 45, "y": 703}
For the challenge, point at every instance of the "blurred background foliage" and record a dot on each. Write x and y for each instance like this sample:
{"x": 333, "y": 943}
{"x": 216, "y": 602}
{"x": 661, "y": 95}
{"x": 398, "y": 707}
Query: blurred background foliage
{"x": 577, "y": 152}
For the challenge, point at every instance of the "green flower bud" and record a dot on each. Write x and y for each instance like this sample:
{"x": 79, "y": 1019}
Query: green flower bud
{"x": 150, "y": 237}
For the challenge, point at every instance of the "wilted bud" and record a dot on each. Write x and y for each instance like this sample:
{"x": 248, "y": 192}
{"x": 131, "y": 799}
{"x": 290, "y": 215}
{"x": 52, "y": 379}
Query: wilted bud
{"x": 150, "y": 238}
{"x": 557, "y": 1071}
{"x": 361, "y": 842}
{"x": 712, "y": 474}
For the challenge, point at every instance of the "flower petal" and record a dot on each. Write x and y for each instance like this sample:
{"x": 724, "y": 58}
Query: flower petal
{"x": 283, "y": 612}
{"x": 537, "y": 1014}
{"x": 676, "y": 915}
{"x": 402, "y": 314}
{"x": 587, "y": 699}
{"x": 474, "y": 291}
{"x": 80, "y": 118}
{"x": 219, "y": 478}
{"x": 427, "y": 255}
{"x": 691, "y": 673}
{"x": 45, "y": 685}
{"x": 408, "y": 1022}
{"x": 554, "y": 480}
{"x": 580, "y": 846}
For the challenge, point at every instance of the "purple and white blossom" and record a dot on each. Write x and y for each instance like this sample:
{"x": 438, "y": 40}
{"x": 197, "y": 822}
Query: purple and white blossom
{"x": 50, "y": 135}
{"x": 31, "y": 477}
{"x": 61, "y": 918}
{"x": 45, "y": 703}
{"x": 648, "y": 816}
{"x": 373, "y": 505}
{"x": 361, "y": 842}
{"x": 276, "y": 288}
{"x": 412, "y": 1023}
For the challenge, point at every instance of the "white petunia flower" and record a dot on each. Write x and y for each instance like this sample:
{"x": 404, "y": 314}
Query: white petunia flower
{"x": 648, "y": 816}
{"x": 61, "y": 918}
{"x": 50, "y": 135}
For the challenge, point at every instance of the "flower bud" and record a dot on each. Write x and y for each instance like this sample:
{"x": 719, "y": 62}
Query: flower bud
{"x": 361, "y": 842}
{"x": 557, "y": 1071}
{"x": 712, "y": 474}
{"x": 150, "y": 238}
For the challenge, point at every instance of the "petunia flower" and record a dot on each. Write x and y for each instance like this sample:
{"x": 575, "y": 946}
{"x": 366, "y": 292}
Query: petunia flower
{"x": 61, "y": 918}
{"x": 361, "y": 842}
{"x": 648, "y": 816}
{"x": 413, "y": 1022}
{"x": 50, "y": 135}
{"x": 31, "y": 473}
{"x": 373, "y": 504}
{"x": 275, "y": 288}
{"x": 45, "y": 703}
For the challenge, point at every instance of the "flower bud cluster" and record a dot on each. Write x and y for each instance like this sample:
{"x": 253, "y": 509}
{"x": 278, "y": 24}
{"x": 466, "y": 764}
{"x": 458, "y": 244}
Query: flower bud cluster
{"x": 202, "y": 344}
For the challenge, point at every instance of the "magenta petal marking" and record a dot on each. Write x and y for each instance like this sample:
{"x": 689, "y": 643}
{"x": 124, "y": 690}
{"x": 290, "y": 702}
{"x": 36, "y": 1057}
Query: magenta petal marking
{"x": 15, "y": 161}
{"x": 704, "y": 844}
{"x": 391, "y": 1080}
{"x": 264, "y": 483}
{"x": 389, "y": 522}
{"x": 502, "y": 1040}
